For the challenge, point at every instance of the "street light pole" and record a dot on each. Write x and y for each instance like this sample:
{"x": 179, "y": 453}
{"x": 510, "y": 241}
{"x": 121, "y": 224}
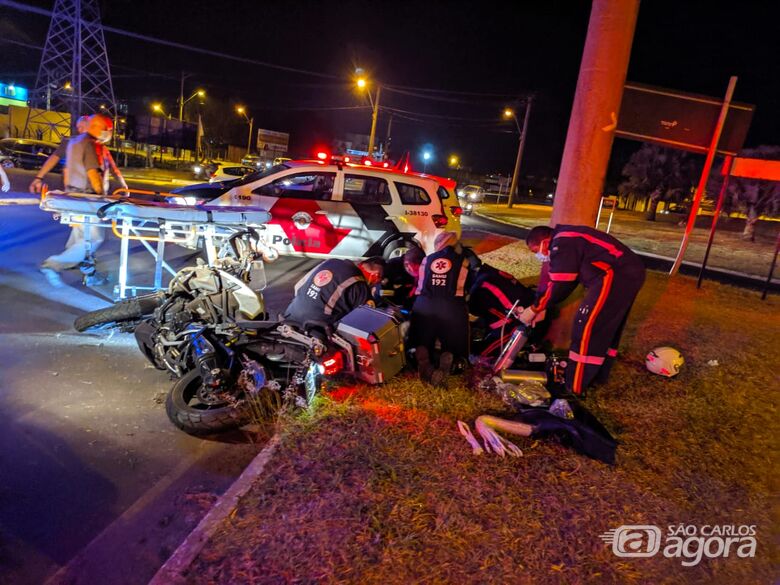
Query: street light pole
{"x": 373, "y": 121}
{"x": 181, "y": 95}
{"x": 242, "y": 110}
{"x": 520, "y": 147}
{"x": 249, "y": 140}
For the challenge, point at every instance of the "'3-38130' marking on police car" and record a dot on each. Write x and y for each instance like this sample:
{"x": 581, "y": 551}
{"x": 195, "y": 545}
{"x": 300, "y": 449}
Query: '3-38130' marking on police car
{"x": 416, "y": 212}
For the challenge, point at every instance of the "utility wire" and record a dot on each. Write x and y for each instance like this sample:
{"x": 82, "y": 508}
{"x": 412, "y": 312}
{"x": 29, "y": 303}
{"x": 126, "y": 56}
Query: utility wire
{"x": 442, "y": 124}
{"x": 441, "y": 117}
{"x": 121, "y": 32}
{"x": 441, "y": 98}
{"x": 21, "y": 44}
{"x": 118, "y": 31}
{"x": 454, "y": 92}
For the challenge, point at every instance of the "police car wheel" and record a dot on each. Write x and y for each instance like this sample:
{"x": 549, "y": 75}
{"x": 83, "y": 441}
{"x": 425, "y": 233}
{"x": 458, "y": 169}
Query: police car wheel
{"x": 396, "y": 249}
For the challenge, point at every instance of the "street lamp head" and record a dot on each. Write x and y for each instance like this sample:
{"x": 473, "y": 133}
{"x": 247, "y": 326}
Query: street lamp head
{"x": 241, "y": 109}
{"x": 200, "y": 93}
{"x": 361, "y": 82}
{"x": 454, "y": 160}
{"x": 426, "y": 155}
{"x": 157, "y": 108}
{"x": 67, "y": 85}
{"x": 508, "y": 113}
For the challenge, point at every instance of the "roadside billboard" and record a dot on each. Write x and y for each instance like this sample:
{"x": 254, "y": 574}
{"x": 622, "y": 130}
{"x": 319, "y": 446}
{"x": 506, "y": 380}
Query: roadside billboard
{"x": 272, "y": 144}
{"x": 680, "y": 120}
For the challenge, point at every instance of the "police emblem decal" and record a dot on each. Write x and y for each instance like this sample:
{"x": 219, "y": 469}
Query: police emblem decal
{"x": 302, "y": 219}
{"x": 323, "y": 277}
{"x": 441, "y": 266}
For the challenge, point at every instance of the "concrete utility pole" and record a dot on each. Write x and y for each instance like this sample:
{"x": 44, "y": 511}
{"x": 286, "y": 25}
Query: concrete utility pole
{"x": 374, "y": 116}
{"x": 594, "y": 114}
{"x": 520, "y": 147}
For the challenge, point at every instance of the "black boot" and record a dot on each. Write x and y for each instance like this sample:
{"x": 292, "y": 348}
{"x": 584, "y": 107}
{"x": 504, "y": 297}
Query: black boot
{"x": 445, "y": 363}
{"x": 424, "y": 366}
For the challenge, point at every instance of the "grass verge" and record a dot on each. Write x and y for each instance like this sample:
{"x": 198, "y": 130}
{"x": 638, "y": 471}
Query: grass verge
{"x": 377, "y": 486}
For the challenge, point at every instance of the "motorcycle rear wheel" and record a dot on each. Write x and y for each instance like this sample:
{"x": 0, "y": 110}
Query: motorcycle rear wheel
{"x": 196, "y": 418}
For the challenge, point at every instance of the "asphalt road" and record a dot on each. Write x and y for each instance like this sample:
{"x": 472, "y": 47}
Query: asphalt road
{"x": 96, "y": 485}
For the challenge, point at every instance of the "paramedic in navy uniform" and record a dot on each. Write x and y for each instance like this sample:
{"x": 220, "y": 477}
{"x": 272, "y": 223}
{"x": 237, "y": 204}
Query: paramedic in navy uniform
{"x": 440, "y": 311}
{"x": 612, "y": 276}
{"x": 332, "y": 289}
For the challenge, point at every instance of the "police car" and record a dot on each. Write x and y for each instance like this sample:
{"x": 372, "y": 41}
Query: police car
{"x": 336, "y": 207}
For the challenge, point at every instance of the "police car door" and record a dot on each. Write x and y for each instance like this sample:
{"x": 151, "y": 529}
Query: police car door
{"x": 418, "y": 210}
{"x": 366, "y": 212}
{"x": 301, "y": 209}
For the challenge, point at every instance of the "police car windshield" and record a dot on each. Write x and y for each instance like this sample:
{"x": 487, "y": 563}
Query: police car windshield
{"x": 251, "y": 177}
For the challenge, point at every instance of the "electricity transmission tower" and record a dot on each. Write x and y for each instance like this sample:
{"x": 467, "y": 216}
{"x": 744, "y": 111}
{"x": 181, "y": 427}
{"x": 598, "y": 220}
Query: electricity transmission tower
{"x": 74, "y": 77}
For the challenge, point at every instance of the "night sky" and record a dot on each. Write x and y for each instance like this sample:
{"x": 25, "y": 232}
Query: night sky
{"x": 486, "y": 54}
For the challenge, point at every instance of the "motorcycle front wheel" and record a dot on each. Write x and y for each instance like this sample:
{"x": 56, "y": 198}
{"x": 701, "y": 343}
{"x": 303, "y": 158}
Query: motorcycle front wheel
{"x": 123, "y": 311}
{"x": 187, "y": 412}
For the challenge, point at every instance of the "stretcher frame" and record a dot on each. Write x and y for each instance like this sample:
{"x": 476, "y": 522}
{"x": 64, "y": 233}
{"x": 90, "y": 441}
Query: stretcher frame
{"x": 146, "y": 230}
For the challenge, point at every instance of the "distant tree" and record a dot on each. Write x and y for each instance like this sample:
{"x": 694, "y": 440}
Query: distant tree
{"x": 657, "y": 174}
{"x": 753, "y": 197}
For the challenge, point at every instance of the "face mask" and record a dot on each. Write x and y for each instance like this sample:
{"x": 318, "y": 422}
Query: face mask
{"x": 542, "y": 257}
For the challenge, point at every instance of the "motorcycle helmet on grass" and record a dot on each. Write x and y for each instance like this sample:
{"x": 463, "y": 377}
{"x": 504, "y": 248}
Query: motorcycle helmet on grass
{"x": 664, "y": 361}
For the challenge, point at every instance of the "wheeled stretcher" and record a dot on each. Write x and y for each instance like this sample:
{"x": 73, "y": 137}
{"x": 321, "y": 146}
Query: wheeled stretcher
{"x": 150, "y": 217}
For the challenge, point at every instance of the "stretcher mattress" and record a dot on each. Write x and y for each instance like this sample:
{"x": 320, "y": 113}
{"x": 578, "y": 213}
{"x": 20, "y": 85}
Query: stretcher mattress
{"x": 115, "y": 207}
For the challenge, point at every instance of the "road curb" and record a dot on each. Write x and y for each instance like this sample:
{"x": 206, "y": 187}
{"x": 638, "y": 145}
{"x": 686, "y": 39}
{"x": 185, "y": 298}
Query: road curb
{"x": 174, "y": 569}
{"x": 503, "y": 221}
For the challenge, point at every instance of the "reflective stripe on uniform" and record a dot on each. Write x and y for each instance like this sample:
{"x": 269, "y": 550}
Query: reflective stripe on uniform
{"x": 337, "y": 294}
{"x": 303, "y": 280}
{"x": 421, "y": 276}
{"x": 593, "y": 360}
{"x": 614, "y": 251}
{"x": 606, "y": 287}
{"x": 540, "y": 306}
{"x": 563, "y": 276}
{"x": 464, "y": 273}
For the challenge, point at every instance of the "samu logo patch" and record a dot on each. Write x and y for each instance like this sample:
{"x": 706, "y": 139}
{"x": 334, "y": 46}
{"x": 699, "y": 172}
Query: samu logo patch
{"x": 323, "y": 277}
{"x": 441, "y": 266}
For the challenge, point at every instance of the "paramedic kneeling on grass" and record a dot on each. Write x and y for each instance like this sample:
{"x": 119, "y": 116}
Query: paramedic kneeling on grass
{"x": 612, "y": 275}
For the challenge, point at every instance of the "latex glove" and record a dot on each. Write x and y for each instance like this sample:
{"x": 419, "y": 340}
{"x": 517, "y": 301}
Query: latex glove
{"x": 527, "y": 316}
{"x": 6, "y": 187}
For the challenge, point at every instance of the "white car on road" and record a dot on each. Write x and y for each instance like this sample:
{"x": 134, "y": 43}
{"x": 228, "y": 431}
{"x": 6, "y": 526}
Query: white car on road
{"x": 230, "y": 172}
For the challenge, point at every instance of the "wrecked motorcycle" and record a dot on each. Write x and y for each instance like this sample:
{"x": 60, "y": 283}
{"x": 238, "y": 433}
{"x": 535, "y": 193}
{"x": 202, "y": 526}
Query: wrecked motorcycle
{"x": 210, "y": 330}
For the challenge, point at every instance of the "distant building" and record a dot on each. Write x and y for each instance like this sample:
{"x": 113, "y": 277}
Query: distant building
{"x": 272, "y": 144}
{"x": 356, "y": 145}
{"x": 13, "y": 95}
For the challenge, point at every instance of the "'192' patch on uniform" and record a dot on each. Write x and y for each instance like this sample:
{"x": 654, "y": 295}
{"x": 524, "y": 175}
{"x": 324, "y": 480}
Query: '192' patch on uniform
{"x": 440, "y": 268}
